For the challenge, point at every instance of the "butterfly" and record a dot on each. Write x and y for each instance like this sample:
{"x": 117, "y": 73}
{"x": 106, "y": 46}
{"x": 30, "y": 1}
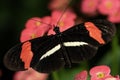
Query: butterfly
{"x": 49, "y": 53}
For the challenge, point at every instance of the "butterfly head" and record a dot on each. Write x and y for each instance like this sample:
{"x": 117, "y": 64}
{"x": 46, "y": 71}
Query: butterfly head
{"x": 57, "y": 30}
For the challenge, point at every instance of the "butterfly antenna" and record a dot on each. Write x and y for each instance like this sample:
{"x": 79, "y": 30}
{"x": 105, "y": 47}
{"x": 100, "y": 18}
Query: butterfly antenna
{"x": 63, "y": 12}
{"x": 42, "y": 22}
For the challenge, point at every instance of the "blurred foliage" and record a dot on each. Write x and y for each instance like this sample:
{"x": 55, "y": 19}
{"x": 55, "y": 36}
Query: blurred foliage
{"x": 14, "y": 14}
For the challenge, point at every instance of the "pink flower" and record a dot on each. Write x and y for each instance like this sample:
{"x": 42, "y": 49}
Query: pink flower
{"x": 89, "y": 6}
{"x": 30, "y": 74}
{"x": 111, "y": 78}
{"x": 37, "y": 22}
{"x": 58, "y": 4}
{"x": 33, "y": 22}
{"x": 28, "y": 34}
{"x": 115, "y": 17}
{"x": 108, "y": 6}
{"x": 118, "y": 77}
{"x": 46, "y": 20}
{"x": 66, "y": 21}
{"x": 35, "y": 27}
{"x": 99, "y": 72}
{"x": 81, "y": 76}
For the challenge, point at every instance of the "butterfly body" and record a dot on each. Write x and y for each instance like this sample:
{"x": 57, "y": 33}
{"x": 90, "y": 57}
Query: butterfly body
{"x": 48, "y": 53}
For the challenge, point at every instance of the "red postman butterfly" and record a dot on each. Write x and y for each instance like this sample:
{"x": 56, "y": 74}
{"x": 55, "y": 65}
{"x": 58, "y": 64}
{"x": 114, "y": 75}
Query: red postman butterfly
{"x": 48, "y": 53}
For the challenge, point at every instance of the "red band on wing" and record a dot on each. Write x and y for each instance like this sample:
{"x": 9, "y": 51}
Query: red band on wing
{"x": 26, "y": 54}
{"x": 94, "y": 32}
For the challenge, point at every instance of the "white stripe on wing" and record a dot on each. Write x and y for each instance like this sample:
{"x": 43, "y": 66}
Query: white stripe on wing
{"x": 51, "y": 51}
{"x": 66, "y": 44}
{"x": 73, "y": 44}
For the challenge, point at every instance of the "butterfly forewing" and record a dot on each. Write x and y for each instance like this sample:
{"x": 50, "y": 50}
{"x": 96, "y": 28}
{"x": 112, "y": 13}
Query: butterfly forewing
{"x": 79, "y": 32}
{"x": 80, "y": 45}
{"x": 47, "y": 55}
{"x": 108, "y": 29}
{"x": 39, "y": 47}
{"x": 12, "y": 59}
{"x": 79, "y": 50}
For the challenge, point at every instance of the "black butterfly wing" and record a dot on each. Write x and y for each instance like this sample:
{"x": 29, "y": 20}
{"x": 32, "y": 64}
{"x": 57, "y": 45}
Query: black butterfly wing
{"x": 107, "y": 28}
{"x": 48, "y": 57}
{"x": 80, "y": 32}
{"x": 39, "y": 47}
{"x": 12, "y": 59}
{"x": 80, "y": 45}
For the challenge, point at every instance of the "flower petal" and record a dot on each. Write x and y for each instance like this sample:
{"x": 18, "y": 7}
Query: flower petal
{"x": 99, "y": 72}
{"x": 81, "y": 76}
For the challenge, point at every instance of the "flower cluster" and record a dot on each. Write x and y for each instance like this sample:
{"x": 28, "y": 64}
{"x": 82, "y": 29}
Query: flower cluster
{"x": 110, "y": 8}
{"x": 37, "y": 27}
{"x": 97, "y": 73}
